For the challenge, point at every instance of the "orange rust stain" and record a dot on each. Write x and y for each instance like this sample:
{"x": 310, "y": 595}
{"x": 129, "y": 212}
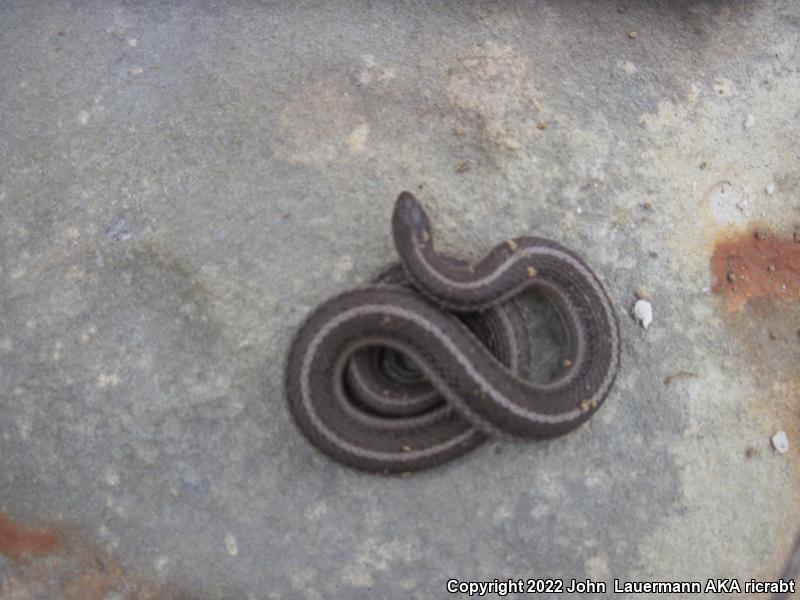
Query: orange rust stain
{"x": 47, "y": 564}
{"x": 17, "y": 541}
{"x": 757, "y": 278}
{"x": 754, "y": 267}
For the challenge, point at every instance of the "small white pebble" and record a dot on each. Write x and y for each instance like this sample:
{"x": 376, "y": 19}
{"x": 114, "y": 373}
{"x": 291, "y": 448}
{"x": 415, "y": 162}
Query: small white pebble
{"x": 780, "y": 442}
{"x": 643, "y": 311}
{"x": 579, "y": 210}
{"x": 230, "y": 544}
{"x": 770, "y": 189}
{"x": 750, "y": 121}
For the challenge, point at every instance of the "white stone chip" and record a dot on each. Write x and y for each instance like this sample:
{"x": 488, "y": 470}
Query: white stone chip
{"x": 750, "y": 121}
{"x": 780, "y": 442}
{"x": 643, "y": 311}
{"x": 230, "y": 544}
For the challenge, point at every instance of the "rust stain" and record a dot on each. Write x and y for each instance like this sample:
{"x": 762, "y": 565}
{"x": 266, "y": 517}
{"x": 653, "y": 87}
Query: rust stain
{"x": 756, "y": 266}
{"x": 47, "y": 564}
{"x": 18, "y": 541}
{"x": 757, "y": 278}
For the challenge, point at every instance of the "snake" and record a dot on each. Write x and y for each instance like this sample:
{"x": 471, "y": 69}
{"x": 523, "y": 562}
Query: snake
{"x": 433, "y": 356}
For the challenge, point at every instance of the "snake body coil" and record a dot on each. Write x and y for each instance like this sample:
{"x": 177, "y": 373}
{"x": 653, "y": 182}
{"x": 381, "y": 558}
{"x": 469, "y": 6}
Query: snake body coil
{"x": 420, "y": 366}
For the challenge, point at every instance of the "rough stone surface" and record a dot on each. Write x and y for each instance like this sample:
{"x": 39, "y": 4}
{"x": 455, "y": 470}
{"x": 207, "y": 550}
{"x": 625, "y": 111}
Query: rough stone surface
{"x": 181, "y": 182}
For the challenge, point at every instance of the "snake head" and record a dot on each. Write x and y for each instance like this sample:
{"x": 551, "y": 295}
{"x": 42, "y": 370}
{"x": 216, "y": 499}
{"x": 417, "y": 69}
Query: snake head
{"x": 409, "y": 220}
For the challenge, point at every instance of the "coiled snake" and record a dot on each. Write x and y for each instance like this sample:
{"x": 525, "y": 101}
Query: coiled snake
{"x": 418, "y": 367}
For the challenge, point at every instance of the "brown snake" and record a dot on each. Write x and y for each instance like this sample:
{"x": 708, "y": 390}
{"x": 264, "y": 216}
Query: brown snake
{"x": 418, "y": 367}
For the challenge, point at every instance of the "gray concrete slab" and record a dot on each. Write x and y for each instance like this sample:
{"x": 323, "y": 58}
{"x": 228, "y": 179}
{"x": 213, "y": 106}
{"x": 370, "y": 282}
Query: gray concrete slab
{"x": 181, "y": 182}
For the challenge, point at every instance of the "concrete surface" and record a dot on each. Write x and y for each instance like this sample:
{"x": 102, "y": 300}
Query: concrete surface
{"x": 181, "y": 181}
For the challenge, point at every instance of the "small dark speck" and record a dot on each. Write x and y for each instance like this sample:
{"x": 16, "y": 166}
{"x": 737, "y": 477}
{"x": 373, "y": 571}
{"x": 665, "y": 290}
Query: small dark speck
{"x": 703, "y": 165}
{"x": 751, "y": 452}
{"x": 461, "y": 167}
